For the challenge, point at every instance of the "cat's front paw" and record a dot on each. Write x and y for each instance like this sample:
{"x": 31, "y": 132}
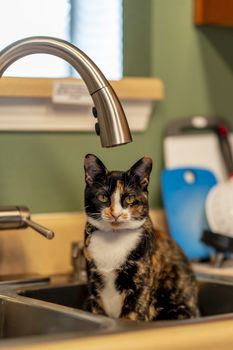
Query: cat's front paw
{"x": 133, "y": 316}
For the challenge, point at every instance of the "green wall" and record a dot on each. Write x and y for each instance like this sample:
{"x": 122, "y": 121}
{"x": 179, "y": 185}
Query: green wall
{"x": 45, "y": 171}
{"x": 137, "y": 28}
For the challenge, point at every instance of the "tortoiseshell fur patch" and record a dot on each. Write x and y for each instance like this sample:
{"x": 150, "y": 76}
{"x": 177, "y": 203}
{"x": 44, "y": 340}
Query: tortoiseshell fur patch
{"x": 134, "y": 271}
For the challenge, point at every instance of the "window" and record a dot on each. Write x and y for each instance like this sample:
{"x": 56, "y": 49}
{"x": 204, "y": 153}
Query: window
{"x": 93, "y": 26}
{"x": 98, "y": 33}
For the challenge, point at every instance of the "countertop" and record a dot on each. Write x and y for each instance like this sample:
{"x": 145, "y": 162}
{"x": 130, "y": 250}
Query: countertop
{"x": 207, "y": 335}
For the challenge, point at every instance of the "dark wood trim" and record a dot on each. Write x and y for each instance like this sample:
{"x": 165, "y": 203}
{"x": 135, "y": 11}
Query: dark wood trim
{"x": 213, "y": 12}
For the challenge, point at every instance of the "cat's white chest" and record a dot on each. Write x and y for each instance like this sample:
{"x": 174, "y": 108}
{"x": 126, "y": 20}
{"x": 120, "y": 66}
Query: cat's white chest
{"x": 109, "y": 251}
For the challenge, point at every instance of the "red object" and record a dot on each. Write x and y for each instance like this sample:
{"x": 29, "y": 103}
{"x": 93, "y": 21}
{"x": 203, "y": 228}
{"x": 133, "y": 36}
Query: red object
{"x": 222, "y": 129}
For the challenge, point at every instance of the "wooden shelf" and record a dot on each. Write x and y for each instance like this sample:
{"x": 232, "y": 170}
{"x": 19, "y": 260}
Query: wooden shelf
{"x": 213, "y": 12}
{"x": 127, "y": 88}
{"x": 42, "y": 97}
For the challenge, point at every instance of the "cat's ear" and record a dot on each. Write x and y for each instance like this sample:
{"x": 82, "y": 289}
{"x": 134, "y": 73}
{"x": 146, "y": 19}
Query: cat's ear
{"x": 141, "y": 170}
{"x": 93, "y": 167}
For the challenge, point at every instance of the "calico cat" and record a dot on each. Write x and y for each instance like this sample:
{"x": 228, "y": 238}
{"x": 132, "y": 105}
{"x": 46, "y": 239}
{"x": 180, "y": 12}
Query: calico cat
{"x": 134, "y": 271}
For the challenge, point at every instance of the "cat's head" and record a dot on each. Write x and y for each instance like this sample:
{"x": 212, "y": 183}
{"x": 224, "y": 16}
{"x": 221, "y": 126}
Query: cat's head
{"x": 115, "y": 199}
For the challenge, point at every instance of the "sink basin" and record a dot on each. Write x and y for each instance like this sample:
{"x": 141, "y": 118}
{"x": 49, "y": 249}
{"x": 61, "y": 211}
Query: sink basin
{"x": 50, "y": 309}
{"x": 71, "y": 295}
{"x": 215, "y": 298}
{"x": 18, "y": 318}
{"x": 58, "y": 310}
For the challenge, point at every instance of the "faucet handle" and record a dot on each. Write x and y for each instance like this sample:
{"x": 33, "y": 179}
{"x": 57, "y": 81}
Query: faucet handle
{"x": 16, "y": 217}
{"x": 39, "y": 228}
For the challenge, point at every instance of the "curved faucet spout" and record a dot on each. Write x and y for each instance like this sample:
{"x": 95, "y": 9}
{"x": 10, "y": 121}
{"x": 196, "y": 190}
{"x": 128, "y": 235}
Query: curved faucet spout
{"x": 114, "y": 129}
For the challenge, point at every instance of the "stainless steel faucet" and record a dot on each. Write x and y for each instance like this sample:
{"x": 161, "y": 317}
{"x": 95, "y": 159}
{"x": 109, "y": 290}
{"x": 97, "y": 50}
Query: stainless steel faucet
{"x": 16, "y": 217}
{"x": 112, "y": 124}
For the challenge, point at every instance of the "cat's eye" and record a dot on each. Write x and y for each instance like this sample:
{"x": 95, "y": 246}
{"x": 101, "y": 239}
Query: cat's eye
{"x": 102, "y": 198}
{"x": 130, "y": 199}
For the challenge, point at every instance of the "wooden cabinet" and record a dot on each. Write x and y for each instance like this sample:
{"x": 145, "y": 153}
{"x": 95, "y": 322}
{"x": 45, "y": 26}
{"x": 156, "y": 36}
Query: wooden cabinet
{"x": 213, "y": 12}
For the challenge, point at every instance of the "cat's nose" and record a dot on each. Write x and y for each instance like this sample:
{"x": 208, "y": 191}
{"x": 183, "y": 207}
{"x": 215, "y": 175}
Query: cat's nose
{"x": 115, "y": 216}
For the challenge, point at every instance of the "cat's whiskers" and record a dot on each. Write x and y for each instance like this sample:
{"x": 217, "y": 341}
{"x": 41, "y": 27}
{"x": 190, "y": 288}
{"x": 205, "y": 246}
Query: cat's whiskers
{"x": 96, "y": 216}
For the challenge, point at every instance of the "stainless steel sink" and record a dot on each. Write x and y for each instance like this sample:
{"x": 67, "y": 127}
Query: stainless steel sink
{"x": 215, "y": 297}
{"x": 72, "y": 295}
{"x": 20, "y": 317}
{"x": 60, "y": 309}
